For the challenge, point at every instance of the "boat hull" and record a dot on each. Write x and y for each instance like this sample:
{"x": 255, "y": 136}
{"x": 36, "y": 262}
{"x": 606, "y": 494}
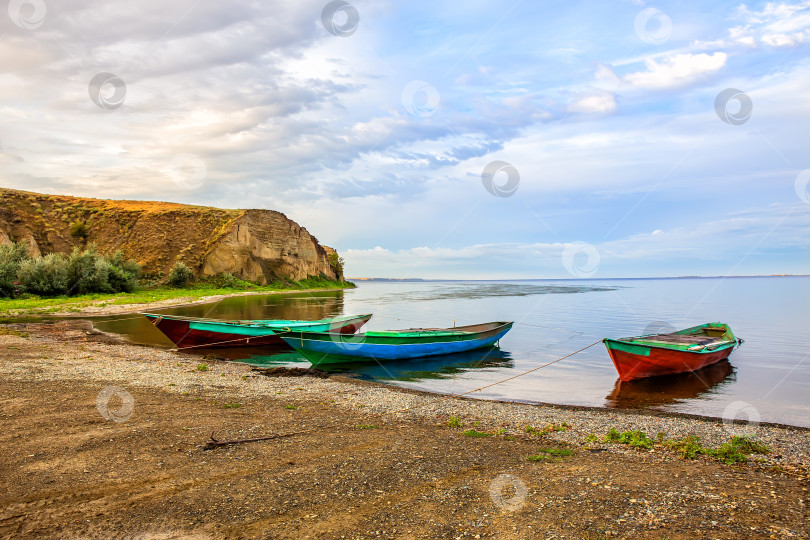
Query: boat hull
{"x": 189, "y": 333}
{"x": 333, "y": 349}
{"x": 634, "y": 361}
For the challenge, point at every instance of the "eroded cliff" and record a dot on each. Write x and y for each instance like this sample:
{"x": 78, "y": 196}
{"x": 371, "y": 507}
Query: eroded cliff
{"x": 257, "y": 245}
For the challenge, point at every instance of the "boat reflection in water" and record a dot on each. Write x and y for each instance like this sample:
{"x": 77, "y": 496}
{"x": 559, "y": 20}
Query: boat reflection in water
{"x": 413, "y": 370}
{"x": 654, "y": 392}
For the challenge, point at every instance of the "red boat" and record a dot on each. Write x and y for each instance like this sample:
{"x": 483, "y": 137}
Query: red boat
{"x": 677, "y": 352}
{"x": 192, "y": 332}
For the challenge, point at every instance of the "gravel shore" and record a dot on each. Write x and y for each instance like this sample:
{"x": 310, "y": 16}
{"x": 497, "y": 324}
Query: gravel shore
{"x": 106, "y": 439}
{"x": 139, "y": 366}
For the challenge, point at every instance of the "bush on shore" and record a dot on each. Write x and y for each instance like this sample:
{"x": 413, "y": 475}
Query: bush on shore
{"x": 180, "y": 275}
{"x": 11, "y": 257}
{"x": 82, "y": 272}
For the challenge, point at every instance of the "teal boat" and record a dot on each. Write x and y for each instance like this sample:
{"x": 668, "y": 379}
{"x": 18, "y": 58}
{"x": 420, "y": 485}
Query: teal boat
{"x": 333, "y": 347}
{"x": 188, "y": 332}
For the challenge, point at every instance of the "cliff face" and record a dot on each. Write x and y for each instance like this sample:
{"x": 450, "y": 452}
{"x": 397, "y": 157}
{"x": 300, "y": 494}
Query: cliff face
{"x": 257, "y": 245}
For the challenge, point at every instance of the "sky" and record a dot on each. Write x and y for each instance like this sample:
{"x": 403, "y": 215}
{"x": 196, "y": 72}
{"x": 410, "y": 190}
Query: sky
{"x": 474, "y": 140}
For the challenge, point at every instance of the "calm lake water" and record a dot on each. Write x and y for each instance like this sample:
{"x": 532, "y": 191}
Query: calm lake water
{"x": 768, "y": 377}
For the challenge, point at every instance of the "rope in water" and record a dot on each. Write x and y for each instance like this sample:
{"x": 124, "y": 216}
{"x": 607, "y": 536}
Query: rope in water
{"x": 215, "y": 444}
{"x": 451, "y": 396}
{"x": 91, "y": 318}
{"x": 248, "y": 338}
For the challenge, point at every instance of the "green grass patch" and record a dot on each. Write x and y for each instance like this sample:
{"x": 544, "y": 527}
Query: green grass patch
{"x": 290, "y": 407}
{"x": 540, "y": 457}
{"x": 562, "y": 426}
{"x": 736, "y": 450}
{"x": 29, "y": 304}
{"x": 749, "y": 446}
{"x": 202, "y": 367}
{"x": 231, "y": 405}
{"x": 549, "y": 454}
{"x": 636, "y": 439}
{"x": 368, "y": 426}
{"x": 9, "y": 332}
{"x": 727, "y": 453}
{"x": 688, "y": 447}
{"x": 474, "y": 433}
{"x": 454, "y": 422}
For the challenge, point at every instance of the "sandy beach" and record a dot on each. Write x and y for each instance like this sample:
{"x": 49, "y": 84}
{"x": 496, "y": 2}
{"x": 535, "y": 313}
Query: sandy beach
{"x": 104, "y": 439}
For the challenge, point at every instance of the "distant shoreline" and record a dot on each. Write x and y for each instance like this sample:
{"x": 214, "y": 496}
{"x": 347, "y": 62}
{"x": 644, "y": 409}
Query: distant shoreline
{"x": 427, "y": 280}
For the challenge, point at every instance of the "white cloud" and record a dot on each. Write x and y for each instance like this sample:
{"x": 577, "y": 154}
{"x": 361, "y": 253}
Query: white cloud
{"x": 775, "y": 25}
{"x": 783, "y": 40}
{"x": 677, "y": 71}
{"x": 597, "y": 102}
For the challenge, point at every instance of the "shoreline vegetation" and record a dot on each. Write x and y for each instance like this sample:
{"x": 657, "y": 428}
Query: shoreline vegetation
{"x": 349, "y": 458}
{"x": 88, "y": 282}
{"x": 153, "y": 297}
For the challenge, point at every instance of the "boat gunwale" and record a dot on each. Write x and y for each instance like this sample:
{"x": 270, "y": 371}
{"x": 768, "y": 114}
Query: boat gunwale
{"x": 726, "y": 340}
{"x": 253, "y": 322}
{"x": 357, "y": 339}
{"x": 673, "y": 347}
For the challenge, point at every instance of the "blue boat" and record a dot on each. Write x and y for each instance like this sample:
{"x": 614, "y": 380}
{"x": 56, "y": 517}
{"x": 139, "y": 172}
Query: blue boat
{"x": 333, "y": 347}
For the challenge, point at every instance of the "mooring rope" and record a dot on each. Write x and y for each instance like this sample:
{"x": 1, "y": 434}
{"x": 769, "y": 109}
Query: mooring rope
{"x": 451, "y": 396}
{"x": 215, "y": 444}
{"x": 248, "y": 338}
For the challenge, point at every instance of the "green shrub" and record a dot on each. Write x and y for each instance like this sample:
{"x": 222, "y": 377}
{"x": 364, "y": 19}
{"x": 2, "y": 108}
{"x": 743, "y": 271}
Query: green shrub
{"x": 228, "y": 280}
{"x": 45, "y": 276}
{"x": 180, "y": 275}
{"x": 83, "y": 272}
{"x": 78, "y": 229}
{"x": 454, "y": 422}
{"x": 123, "y": 274}
{"x": 88, "y": 272}
{"x": 11, "y": 257}
{"x": 336, "y": 262}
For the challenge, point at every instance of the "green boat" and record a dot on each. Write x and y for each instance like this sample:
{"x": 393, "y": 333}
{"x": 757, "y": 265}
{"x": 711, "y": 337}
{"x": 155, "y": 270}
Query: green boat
{"x": 187, "y": 332}
{"x": 333, "y": 347}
